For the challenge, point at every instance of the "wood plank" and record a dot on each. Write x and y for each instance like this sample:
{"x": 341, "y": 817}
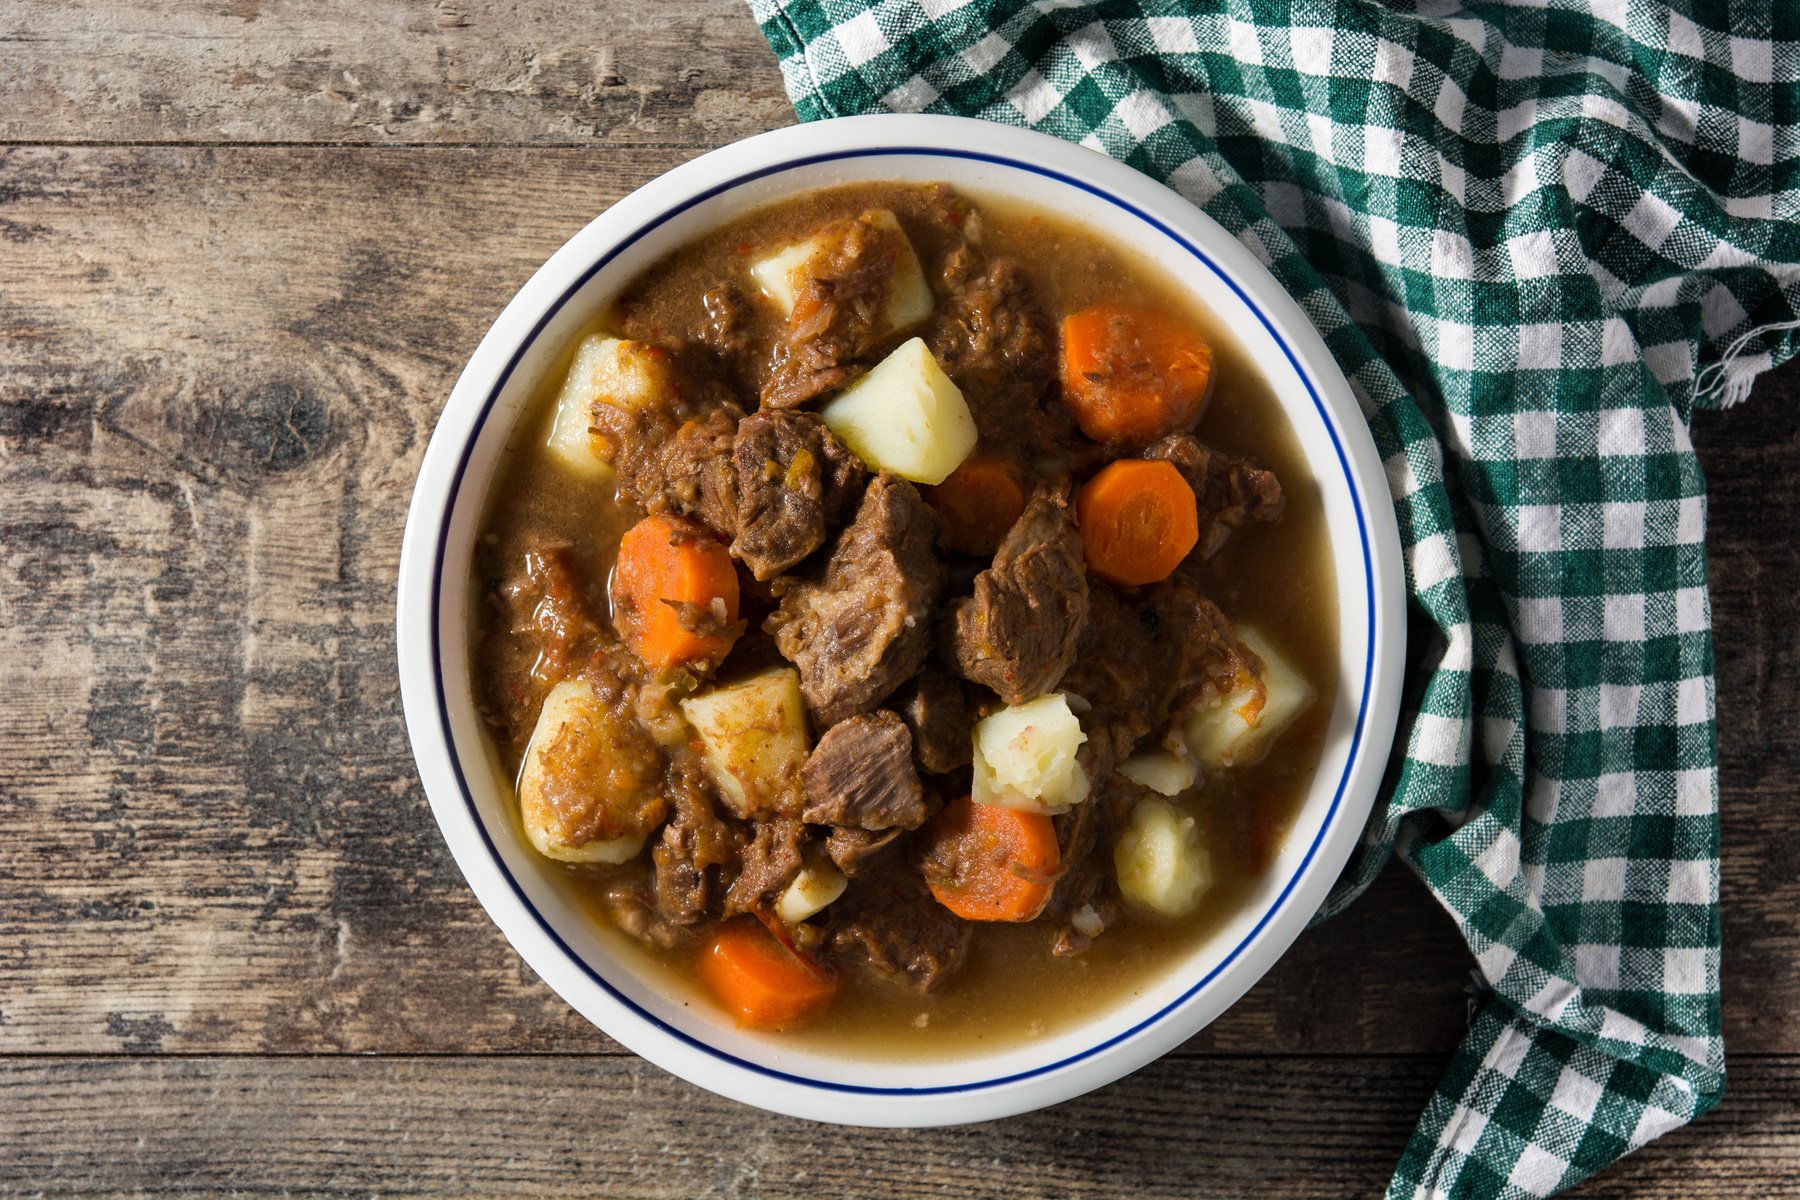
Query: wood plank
{"x": 687, "y": 72}
{"x": 1240, "y": 1128}
{"x": 218, "y": 369}
{"x": 1755, "y": 573}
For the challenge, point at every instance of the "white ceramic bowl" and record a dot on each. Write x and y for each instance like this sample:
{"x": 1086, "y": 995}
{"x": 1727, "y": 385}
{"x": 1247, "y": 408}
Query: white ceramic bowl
{"x": 531, "y": 901}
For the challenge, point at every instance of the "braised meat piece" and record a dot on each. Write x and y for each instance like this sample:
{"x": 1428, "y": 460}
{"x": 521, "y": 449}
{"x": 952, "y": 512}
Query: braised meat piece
{"x": 1228, "y": 491}
{"x": 891, "y": 921}
{"x": 694, "y": 843}
{"x": 1017, "y": 634}
{"x": 1208, "y": 659}
{"x": 937, "y": 712}
{"x": 994, "y": 341}
{"x": 856, "y": 851}
{"x": 863, "y": 628}
{"x": 839, "y": 318}
{"x": 544, "y": 631}
{"x": 684, "y": 466}
{"x": 674, "y": 452}
{"x": 549, "y": 612}
{"x": 770, "y": 858}
{"x": 861, "y": 773}
{"x": 1084, "y": 836}
{"x": 630, "y": 901}
{"x": 793, "y": 476}
{"x": 1140, "y": 662}
{"x": 726, "y": 330}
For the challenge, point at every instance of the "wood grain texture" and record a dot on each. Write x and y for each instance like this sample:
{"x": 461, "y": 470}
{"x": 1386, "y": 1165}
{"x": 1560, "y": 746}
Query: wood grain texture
{"x": 1228, "y": 1128}
{"x": 689, "y": 72}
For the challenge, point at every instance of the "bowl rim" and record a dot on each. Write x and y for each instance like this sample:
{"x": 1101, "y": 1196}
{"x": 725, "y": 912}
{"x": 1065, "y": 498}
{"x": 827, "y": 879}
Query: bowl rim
{"x": 477, "y": 393}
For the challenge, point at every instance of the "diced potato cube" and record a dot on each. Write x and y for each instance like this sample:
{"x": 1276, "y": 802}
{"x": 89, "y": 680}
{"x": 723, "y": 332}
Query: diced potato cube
{"x": 909, "y": 296}
{"x": 1159, "y": 860}
{"x": 1025, "y": 757}
{"x": 1167, "y": 772}
{"x": 589, "y": 786}
{"x": 606, "y": 370}
{"x": 813, "y": 888}
{"x": 905, "y": 416}
{"x": 1242, "y": 727}
{"x": 754, "y": 741}
{"x": 774, "y": 273}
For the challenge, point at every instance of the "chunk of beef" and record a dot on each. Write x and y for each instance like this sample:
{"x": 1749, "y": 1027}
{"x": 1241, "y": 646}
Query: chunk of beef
{"x": 548, "y": 630}
{"x": 675, "y": 452}
{"x": 629, "y": 900}
{"x": 1207, "y": 657}
{"x": 550, "y": 614}
{"x": 839, "y": 316}
{"x": 1229, "y": 491}
{"x": 856, "y": 851}
{"x": 994, "y": 341}
{"x": 1141, "y": 659}
{"x": 1084, "y": 836}
{"x": 793, "y": 476}
{"x": 937, "y": 712}
{"x": 694, "y": 843}
{"x": 857, "y": 633}
{"x": 861, "y": 773}
{"x": 726, "y": 327}
{"x": 1017, "y": 634}
{"x": 889, "y": 920}
{"x": 770, "y": 858}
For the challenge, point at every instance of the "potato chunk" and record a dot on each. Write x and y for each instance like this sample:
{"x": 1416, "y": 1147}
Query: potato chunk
{"x": 1025, "y": 757}
{"x": 813, "y": 888}
{"x": 909, "y": 297}
{"x": 754, "y": 742}
{"x": 1160, "y": 862}
{"x": 905, "y": 416}
{"x": 590, "y": 784}
{"x": 1241, "y": 728}
{"x": 1165, "y": 772}
{"x": 606, "y": 370}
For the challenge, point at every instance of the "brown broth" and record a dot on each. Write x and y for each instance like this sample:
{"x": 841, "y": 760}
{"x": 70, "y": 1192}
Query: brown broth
{"x": 1278, "y": 577}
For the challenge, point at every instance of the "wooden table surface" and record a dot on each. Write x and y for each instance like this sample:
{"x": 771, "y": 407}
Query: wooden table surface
{"x": 244, "y": 250}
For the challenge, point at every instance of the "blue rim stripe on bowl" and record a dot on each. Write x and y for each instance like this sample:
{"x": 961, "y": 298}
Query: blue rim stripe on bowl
{"x": 456, "y": 487}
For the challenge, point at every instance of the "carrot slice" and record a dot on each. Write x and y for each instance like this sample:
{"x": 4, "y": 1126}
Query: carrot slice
{"x": 675, "y": 593}
{"x": 763, "y": 983}
{"x": 1138, "y": 520}
{"x": 977, "y": 503}
{"x": 1133, "y": 374}
{"x": 987, "y": 863}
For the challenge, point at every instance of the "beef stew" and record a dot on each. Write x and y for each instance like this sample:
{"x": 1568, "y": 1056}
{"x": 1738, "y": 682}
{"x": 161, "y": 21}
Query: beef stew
{"x": 913, "y": 604}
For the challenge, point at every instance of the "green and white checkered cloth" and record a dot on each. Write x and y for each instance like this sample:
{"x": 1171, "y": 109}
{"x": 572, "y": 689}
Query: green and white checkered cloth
{"x": 1536, "y": 235}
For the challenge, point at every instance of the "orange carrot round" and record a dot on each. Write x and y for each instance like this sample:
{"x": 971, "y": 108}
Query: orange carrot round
{"x": 977, "y": 503}
{"x": 987, "y": 863}
{"x": 763, "y": 983}
{"x": 1132, "y": 375}
{"x": 1138, "y": 520}
{"x": 674, "y": 593}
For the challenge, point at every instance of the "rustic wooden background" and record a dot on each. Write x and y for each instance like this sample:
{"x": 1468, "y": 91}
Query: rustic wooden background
{"x": 244, "y": 249}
